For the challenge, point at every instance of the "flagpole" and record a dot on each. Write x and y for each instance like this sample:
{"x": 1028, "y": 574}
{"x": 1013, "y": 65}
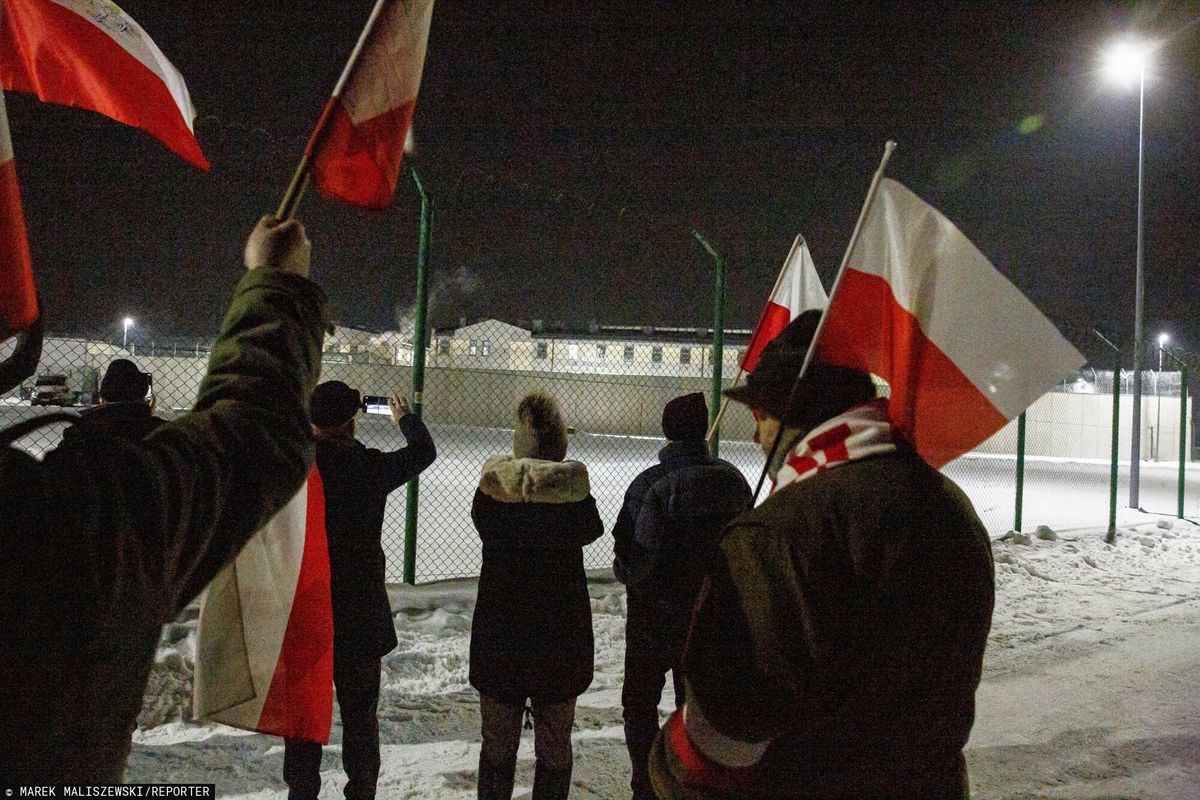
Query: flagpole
{"x": 299, "y": 181}
{"x": 796, "y": 243}
{"x": 812, "y": 345}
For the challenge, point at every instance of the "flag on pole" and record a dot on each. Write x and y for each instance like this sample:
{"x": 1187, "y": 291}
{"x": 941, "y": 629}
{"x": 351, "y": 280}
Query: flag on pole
{"x": 358, "y": 157}
{"x": 797, "y": 289}
{"x": 18, "y": 298}
{"x": 91, "y": 54}
{"x": 918, "y": 305}
{"x": 264, "y": 648}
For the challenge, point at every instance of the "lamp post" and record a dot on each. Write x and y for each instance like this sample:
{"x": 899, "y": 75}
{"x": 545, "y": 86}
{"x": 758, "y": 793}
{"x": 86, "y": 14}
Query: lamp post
{"x": 1126, "y": 61}
{"x": 1162, "y": 340}
{"x": 125, "y": 336}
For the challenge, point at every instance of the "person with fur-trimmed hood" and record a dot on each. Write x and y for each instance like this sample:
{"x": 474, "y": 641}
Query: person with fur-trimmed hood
{"x": 667, "y": 530}
{"x": 838, "y": 641}
{"x": 531, "y": 636}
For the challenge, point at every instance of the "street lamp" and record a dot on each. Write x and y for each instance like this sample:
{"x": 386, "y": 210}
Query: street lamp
{"x": 1125, "y": 62}
{"x": 125, "y": 337}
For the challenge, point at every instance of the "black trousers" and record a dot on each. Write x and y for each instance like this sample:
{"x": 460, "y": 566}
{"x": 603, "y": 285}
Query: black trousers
{"x": 646, "y": 667}
{"x": 501, "y": 724}
{"x": 357, "y": 683}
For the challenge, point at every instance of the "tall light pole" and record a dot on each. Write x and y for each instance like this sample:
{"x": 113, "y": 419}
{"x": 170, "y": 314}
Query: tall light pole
{"x": 1162, "y": 341}
{"x": 1126, "y": 61}
{"x": 125, "y": 336}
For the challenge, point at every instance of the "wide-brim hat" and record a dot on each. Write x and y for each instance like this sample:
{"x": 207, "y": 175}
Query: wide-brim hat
{"x": 824, "y": 390}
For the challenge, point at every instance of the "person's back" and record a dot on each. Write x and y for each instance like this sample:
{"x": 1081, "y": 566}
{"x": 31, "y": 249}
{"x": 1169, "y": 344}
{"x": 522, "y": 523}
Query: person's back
{"x": 99, "y": 541}
{"x": 891, "y": 614}
{"x": 666, "y": 534}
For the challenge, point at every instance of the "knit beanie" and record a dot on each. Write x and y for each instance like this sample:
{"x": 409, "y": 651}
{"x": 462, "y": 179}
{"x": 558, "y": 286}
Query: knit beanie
{"x": 540, "y": 431}
{"x": 685, "y": 418}
{"x": 332, "y": 404}
{"x": 123, "y": 382}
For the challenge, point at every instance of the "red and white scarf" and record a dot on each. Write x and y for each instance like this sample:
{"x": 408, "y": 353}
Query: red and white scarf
{"x": 860, "y": 432}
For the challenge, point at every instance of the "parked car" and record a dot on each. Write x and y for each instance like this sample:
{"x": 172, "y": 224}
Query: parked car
{"x": 50, "y": 389}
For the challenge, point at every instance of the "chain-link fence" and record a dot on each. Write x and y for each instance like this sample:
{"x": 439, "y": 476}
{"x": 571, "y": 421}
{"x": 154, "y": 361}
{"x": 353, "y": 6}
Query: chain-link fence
{"x": 612, "y": 384}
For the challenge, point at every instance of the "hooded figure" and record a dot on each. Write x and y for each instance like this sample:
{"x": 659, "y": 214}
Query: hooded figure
{"x": 667, "y": 531}
{"x": 838, "y": 642}
{"x": 531, "y": 636}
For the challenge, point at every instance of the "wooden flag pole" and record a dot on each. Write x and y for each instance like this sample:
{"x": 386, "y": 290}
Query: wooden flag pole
{"x": 299, "y": 182}
{"x": 812, "y": 345}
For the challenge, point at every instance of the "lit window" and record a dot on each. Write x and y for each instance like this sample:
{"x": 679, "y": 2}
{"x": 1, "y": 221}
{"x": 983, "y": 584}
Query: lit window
{"x": 656, "y": 354}
{"x": 685, "y": 355}
{"x": 542, "y": 350}
{"x": 473, "y": 349}
{"x": 629, "y": 352}
{"x": 573, "y": 352}
{"x": 443, "y": 344}
{"x": 487, "y": 347}
{"x": 601, "y": 350}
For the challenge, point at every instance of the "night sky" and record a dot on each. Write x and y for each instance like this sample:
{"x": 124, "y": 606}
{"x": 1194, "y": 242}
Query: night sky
{"x": 572, "y": 148}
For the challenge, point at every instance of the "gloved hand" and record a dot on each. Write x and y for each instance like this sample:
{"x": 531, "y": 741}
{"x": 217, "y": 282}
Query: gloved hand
{"x": 278, "y": 245}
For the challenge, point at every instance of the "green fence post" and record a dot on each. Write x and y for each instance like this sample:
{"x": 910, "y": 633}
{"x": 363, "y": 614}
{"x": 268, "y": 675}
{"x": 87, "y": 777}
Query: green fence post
{"x": 1020, "y": 469}
{"x": 421, "y": 301}
{"x": 718, "y": 346}
{"x": 1111, "y": 536}
{"x": 1183, "y": 432}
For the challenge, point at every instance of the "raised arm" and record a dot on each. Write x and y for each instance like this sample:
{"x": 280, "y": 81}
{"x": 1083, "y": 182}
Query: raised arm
{"x": 396, "y": 468}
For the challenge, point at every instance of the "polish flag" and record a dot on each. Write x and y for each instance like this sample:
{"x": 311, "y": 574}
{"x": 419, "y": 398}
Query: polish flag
{"x": 358, "y": 157}
{"x": 264, "y": 648}
{"x": 91, "y": 54}
{"x": 962, "y": 349}
{"x": 797, "y": 289}
{"x": 18, "y": 299}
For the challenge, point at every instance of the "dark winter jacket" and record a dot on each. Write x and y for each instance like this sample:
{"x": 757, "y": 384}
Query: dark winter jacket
{"x": 531, "y": 635}
{"x": 839, "y": 641}
{"x": 357, "y": 482}
{"x": 666, "y": 532}
{"x": 132, "y": 421}
{"x": 96, "y": 540}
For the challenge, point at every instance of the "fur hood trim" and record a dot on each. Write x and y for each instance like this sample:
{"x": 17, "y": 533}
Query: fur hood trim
{"x": 508, "y": 479}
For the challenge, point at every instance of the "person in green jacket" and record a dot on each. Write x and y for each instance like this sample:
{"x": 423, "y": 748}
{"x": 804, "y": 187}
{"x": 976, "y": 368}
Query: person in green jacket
{"x": 104, "y": 541}
{"x": 838, "y": 641}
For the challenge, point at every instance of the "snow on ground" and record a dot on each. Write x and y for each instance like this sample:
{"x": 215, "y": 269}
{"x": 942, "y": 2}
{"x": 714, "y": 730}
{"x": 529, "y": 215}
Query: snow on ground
{"x": 1090, "y": 686}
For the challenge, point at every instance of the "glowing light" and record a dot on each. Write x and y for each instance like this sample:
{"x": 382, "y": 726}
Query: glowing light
{"x": 1163, "y": 338}
{"x": 1125, "y": 62}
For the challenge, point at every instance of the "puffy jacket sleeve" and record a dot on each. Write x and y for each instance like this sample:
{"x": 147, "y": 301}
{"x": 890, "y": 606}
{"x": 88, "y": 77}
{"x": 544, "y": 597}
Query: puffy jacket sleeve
{"x": 159, "y": 518}
{"x": 735, "y": 703}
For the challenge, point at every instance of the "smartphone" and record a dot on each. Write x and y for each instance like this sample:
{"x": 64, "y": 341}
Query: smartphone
{"x": 375, "y": 404}
{"x": 149, "y": 387}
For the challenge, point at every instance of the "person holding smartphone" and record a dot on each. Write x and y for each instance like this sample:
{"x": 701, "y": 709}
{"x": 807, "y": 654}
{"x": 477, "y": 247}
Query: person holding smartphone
{"x": 126, "y": 408}
{"x": 357, "y": 481}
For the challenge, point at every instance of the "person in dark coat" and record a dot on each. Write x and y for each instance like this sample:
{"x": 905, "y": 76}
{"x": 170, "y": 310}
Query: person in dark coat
{"x": 838, "y": 641}
{"x": 99, "y": 541}
{"x": 666, "y": 532}
{"x": 126, "y": 406}
{"x": 357, "y": 481}
{"x": 531, "y": 635}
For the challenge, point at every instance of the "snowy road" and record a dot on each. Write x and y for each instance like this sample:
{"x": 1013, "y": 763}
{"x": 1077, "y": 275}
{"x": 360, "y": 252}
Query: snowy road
{"x": 1089, "y": 690}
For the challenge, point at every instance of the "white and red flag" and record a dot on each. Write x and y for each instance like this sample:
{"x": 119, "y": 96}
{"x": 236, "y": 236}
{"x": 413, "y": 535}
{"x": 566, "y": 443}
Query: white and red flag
{"x": 918, "y": 305}
{"x": 18, "y": 299}
{"x": 797, "y": 289}
{"x": 264, "y": 648}
{"x": 91, "y": 54}
{"x": 357, "y": 158}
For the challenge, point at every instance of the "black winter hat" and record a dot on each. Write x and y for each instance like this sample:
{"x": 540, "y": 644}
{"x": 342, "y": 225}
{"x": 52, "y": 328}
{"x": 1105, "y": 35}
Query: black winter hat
{"x": 824, "y": 392}
{"x": 333, "y": 403}
{"x": 123, "y": 382}
{"x": 540, "y": 431}
{"x": 685, "y": 418}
